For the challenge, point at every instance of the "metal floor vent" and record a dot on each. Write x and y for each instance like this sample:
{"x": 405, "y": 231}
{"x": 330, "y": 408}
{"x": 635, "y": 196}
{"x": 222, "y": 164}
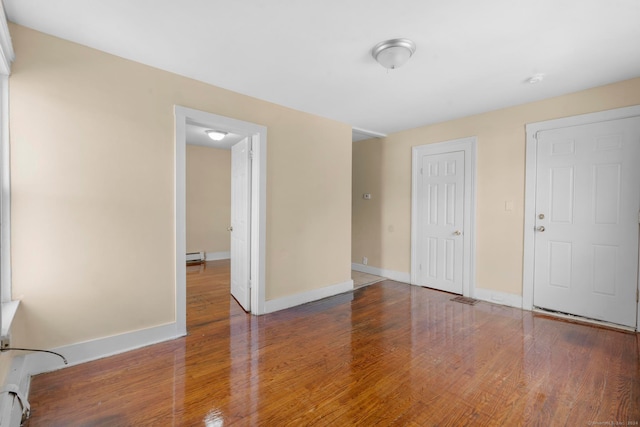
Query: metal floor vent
{"x": 465, "y": 300}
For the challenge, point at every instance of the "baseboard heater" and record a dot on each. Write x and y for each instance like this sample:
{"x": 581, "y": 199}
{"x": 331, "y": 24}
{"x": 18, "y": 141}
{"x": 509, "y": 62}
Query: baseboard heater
{"x": 195, "y": 257}
{"x": 14, "y": 407}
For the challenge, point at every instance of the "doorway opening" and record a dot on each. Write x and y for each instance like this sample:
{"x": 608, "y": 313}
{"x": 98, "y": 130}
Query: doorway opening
{"x": 257, "y": 216}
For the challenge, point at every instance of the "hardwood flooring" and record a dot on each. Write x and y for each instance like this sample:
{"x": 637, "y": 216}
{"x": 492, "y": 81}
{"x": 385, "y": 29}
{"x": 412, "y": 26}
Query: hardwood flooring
{"x": 361, "y": 279}
{"x": 386, "y": 354}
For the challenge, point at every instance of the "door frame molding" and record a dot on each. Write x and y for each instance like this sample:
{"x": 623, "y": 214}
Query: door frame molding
{"x": 532, "y": 130}
{"x": 469, "y": 146}
{"x": 258, "y": 204}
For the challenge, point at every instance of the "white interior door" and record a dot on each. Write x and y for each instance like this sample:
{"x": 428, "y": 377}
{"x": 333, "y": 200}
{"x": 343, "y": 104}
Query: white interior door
{"x": 240, "y": 223}
{"x": 587, "y": 214}
{"x": 441, "y": 192}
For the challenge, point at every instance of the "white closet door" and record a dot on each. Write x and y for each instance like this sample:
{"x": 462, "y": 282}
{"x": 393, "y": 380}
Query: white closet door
{"x": 441, "y": 220}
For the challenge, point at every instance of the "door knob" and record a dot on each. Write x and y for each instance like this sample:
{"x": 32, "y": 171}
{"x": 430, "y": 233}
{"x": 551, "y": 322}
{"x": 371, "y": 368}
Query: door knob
{"x": 230, "y": 228}
{"x": 541, "y": 228}
{"x": 457, "y": 232}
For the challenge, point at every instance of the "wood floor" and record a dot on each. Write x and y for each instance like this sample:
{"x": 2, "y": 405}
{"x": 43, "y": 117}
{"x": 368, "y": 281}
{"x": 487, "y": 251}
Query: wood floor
{"x": 361, "y": 279}
{"x": 386, "y": 354}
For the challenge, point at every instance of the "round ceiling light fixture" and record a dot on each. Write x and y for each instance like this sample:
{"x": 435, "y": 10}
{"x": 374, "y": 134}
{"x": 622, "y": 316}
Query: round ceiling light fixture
{"x": 393, "y": 53}
{"x": 536, "y": 78}
{"x": 216, "y": 135}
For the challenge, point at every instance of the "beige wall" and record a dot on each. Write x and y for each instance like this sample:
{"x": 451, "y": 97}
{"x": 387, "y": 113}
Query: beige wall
{"x": 381, "y": 226}
{"x": 92, "y": 169}
{"x": 208, "y": 199}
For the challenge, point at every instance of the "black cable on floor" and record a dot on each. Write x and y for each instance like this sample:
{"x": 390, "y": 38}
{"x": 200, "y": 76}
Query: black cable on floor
{"x": 35, "y": 349}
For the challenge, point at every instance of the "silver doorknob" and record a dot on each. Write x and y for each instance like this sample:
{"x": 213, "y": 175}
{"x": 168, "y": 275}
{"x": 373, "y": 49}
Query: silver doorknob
{"x": 541, "y": 228}
{"x": 457, "y": 232}
{"x": 229, "y": 228}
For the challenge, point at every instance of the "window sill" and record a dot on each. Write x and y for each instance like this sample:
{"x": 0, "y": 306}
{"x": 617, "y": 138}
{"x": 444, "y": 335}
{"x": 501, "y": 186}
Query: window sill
{"x": 9, "y": 310}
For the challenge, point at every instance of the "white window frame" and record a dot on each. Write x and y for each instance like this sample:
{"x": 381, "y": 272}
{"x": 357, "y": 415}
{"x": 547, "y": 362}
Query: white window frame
{"x": 5, "y": 198}
{"x": 7, "y": 55}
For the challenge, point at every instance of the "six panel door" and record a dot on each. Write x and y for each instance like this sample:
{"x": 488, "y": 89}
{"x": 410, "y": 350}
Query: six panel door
{"x": 441, "y": 217}
{"x": 587, "y": 207}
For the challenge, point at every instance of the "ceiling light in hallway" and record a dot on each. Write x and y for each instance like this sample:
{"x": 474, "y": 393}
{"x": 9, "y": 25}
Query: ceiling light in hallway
{"x": 216, "y": 135}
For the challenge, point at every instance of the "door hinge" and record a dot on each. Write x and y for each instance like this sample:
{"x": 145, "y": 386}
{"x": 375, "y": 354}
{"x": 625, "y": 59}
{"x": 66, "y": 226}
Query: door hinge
{"x": 251, "y": 154}
{"x": 420, "y": 267}
{"x": 638, "y": 217}
{"x": 421, "y": 171}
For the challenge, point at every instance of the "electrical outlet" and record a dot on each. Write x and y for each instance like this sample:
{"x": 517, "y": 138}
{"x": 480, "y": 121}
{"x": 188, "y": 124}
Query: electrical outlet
{"x": 4, "y": 343}
{"x": 365, "y": 260}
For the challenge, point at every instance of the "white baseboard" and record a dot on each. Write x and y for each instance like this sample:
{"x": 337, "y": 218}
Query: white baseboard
{"x": 398, "y": 276}
{"x": 38, "y": 363}
{"x": 496, "y": 297}
{"x": 215, "y": 256}
{"x": 305, "y": 297}
{"x": 24, "y": 367}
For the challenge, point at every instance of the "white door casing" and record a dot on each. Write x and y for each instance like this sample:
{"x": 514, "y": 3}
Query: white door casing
{"x": 443, "y": 205}
{"x": 585, "y": 261}
{"x": 240, "y": 228}
{"x": 258, "y": 204}
{"x": 587, "y": 205}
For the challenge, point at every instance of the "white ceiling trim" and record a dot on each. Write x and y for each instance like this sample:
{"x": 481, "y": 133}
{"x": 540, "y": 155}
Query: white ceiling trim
{"x": 358, "y": 134}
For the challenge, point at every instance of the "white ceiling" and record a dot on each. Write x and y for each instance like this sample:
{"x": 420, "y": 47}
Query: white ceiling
{"x": 472, "y": 56}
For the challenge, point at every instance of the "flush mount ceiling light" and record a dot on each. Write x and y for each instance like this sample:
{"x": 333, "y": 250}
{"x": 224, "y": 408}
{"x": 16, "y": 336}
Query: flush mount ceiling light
{"x": 393, "y": 53}
{"x": 536, "y": 78}
{"x": 216, "y": 135}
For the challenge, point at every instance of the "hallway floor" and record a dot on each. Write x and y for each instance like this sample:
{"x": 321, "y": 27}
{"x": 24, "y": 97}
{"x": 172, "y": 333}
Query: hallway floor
{"x": 361, "y": 279}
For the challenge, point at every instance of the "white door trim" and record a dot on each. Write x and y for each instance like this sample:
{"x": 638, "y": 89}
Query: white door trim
{"x": 468, "y": 145}
{"x": 258, "y": 204}
{"x": 530, "y": 184}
